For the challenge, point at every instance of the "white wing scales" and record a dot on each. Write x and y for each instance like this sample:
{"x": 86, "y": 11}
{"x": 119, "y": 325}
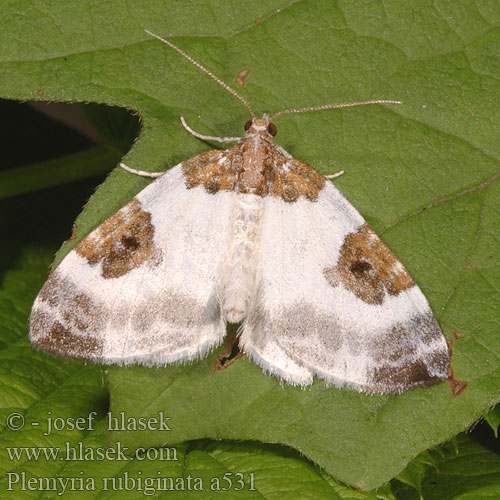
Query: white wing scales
{"x": 142, "y": 287}
{"x": 385, "y": 340}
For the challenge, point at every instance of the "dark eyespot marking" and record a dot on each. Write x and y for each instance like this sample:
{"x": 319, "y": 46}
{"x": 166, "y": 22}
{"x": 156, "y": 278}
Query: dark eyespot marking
{"x": 272, "y": 129}
{"x": 360, "y": 267}
{"x": 248, "y": 124}
{"x": 130, "y": 242}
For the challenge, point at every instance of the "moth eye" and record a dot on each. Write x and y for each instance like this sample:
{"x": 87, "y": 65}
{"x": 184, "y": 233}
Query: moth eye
{"x": 248, "y": 124}
{"x": 272, "y": 129}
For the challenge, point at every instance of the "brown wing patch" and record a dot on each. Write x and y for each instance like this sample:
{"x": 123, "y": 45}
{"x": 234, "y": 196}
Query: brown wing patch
{"x": 407, "y": 355}
{"x": 74, "y": 330}
{"x": 412, "y": 375}
{"x": 403, "y": 364}
{"x": 61, "y": 340}
{"x": 368, "y": 268}
{"x": 205, "y": 170}
{"x": 294, "y": 179}
{"x": 122, "y": 243}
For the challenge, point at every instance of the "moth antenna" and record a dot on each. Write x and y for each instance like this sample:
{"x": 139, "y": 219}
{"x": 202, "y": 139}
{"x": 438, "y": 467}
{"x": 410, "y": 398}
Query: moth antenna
{"x": 332, "y": 106}
{"x": 205, "y": 70}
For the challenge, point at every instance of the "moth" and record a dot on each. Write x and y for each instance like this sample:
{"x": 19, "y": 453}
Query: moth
{"x": 245, "y": 235}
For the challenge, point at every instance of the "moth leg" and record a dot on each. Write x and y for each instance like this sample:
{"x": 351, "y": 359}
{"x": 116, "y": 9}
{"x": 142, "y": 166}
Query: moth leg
{"x": 335, "y": 175}
{"x": 142, "y": 173}
{"x": 285, "y": 153}
{"x": 207, "y": 137}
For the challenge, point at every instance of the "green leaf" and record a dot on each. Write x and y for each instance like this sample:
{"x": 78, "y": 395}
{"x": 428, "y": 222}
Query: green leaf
{"x": 89, "y": 163}
{"x": 424, "y": 174}
{"x": 462, "y": 470}
{"x": 415, "y": 470}
{"x": 116, "y": 126}
{"x": 493, "y": 419}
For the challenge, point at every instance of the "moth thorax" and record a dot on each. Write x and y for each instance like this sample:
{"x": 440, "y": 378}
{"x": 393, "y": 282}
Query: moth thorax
{"x": 240, "y": 265}
{"x": 256, "y": 152}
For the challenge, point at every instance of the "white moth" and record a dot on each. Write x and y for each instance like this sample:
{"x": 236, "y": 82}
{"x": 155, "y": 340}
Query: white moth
{"x": 250, "y": 235}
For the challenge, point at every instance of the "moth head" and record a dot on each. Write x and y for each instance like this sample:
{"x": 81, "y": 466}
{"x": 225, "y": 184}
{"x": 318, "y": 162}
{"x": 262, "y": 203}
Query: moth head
{"x": 259, "y": 125}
